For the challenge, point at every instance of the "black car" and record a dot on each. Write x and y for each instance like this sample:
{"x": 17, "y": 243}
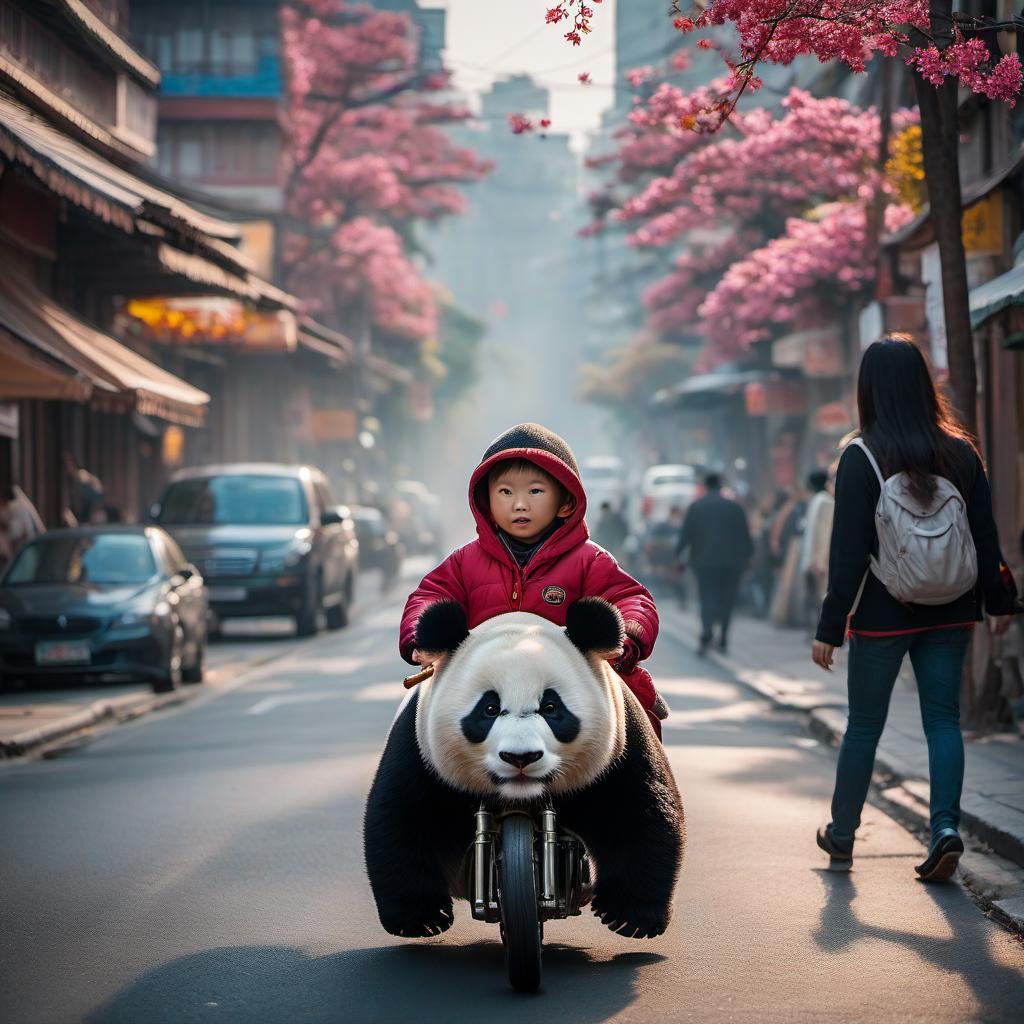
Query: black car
{"x": 103, "y": 600}
{"x": 379, "y": 545}
{"x": 268, "y": 539}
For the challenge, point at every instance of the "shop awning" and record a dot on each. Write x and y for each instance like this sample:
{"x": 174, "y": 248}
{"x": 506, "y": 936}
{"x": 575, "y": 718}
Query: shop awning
{"x": 705, "y": 389}
{"x": 27, "y": 372}
{"x": 993, "y": 296}
{"x": 86, "y": 179}
{"x": 116, "y": 373}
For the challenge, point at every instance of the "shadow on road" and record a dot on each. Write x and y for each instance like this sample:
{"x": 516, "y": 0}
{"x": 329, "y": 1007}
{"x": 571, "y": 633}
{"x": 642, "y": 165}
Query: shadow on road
{"x": 421, "y": 983}
{"x": 964, "y": 951}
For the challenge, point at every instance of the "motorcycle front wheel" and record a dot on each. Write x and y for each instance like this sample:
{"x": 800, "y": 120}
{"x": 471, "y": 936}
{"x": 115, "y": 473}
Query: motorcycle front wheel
{"x": 520, "y": 922}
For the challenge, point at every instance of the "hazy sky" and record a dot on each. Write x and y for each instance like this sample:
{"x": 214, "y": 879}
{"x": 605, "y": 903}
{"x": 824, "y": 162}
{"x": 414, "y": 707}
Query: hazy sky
{"x": 487, "y": 38}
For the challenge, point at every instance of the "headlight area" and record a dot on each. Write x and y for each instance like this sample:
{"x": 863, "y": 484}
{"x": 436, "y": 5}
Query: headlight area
{"x": 143, "y": 616}
{"x": 280, "y": 559}
{"x": 6, "y": 621}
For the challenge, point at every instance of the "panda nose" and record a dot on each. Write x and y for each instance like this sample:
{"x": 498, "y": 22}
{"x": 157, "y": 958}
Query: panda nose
{"x": 521, "y": 760}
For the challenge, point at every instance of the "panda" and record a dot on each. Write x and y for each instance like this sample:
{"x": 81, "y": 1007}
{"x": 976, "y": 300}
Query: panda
{"x": 519, "y": 710}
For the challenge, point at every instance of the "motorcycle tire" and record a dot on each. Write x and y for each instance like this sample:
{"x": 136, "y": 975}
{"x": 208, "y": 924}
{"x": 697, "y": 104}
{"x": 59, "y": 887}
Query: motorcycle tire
{"x": 521, "y": 927}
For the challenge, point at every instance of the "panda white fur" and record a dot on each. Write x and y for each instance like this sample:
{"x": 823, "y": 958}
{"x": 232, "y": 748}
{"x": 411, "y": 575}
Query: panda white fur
{"x": 516, "y": 710}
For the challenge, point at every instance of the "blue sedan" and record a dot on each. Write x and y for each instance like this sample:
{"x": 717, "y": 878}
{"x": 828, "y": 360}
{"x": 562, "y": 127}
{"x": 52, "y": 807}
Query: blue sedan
{"x": 103, "y": 601}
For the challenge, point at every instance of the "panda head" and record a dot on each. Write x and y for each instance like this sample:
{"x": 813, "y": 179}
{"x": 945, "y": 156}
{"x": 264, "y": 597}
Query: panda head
{"x": 519, "y": 706}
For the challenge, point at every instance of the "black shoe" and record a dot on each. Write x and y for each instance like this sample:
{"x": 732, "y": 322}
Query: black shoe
{"x": 703, "y": 645}
{"x": 840, "y": 853}
{"x": 942, "y": 858}
{"x": 723, "y": 645}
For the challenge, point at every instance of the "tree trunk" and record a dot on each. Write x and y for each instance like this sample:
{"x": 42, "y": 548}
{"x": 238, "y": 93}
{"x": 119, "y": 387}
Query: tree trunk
{"x": 940, "y": 142}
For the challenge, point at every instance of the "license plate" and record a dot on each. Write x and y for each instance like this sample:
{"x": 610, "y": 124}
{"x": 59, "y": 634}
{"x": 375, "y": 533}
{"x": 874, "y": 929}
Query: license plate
{"x": 226, "y": 593}
{"x": 63, "y": 652}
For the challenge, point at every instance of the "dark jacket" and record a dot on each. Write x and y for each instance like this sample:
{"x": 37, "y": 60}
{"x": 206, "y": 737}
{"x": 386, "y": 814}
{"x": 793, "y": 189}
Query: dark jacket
{"x": 716, "y": 532}
{"x": 854, "y": 540}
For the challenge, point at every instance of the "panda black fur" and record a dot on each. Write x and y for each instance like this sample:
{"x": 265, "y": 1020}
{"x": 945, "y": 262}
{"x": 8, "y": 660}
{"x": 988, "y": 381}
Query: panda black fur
{"x": 601, "y": 764}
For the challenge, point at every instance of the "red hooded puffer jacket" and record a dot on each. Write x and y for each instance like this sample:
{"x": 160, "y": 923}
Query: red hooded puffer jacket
{"x": 486, "y": 580}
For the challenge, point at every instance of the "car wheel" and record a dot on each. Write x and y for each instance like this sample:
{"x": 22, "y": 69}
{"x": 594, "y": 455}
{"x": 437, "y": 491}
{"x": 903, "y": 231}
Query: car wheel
{"x": 169, "y": 678}
{"x": 307, "y": 619}
{"x": 194, "y": 673}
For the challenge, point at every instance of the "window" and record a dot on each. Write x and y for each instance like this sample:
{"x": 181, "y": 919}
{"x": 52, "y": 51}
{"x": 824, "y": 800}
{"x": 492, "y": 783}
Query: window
{"x": 110, "y": 558}
{"x": 227, "y": 40}
{"x": 243, "y": 152}
{"x": 267, "y": 500}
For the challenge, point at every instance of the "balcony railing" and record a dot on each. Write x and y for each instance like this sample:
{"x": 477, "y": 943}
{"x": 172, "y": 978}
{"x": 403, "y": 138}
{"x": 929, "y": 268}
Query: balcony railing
{"x": 112, "y": 101}
{"x": 59, "y": 68}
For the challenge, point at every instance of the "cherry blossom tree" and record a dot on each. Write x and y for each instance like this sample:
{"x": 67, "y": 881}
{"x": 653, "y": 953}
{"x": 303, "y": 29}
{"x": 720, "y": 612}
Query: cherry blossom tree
{"x": 944, "y": 50}
{"x": 742, "y": 201}
{"x": 367, "y": 158}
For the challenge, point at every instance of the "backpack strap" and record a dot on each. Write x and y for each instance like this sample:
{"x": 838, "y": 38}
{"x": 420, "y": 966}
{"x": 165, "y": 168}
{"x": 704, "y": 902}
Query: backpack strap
{"x": 859, "y": 442}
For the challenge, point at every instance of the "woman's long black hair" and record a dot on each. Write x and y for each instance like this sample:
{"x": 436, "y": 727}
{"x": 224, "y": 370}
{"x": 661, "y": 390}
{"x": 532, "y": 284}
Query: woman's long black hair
{"x": 906, "y": 422}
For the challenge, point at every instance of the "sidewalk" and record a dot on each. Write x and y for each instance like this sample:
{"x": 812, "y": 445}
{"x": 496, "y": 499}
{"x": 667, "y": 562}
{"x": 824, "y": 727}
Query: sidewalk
{"x": 777, "y": 664}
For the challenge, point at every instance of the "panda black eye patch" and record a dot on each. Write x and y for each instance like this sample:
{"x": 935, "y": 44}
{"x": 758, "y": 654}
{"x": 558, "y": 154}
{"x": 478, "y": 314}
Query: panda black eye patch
{"x": 562, "y": 722}
{"x": 477, "y": 724}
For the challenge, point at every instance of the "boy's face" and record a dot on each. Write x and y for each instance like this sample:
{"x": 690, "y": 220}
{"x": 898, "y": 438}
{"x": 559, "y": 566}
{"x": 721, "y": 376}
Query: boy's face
{"x": 524, "y": 503}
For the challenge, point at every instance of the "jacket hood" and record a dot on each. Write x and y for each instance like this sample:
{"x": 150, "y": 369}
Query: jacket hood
{"x": 545, "y": 449}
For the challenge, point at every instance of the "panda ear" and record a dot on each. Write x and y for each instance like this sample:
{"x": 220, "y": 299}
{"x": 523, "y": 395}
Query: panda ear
{"x": 441, "y": 627}
{"x": 592, "y": 624}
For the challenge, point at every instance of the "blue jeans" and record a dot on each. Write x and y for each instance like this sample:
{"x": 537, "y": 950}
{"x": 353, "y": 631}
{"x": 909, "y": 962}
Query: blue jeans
{"x": 938, "y": 658}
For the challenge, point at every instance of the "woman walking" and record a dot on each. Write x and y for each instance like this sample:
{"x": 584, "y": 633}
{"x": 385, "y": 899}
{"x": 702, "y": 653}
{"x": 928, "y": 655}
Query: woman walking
{"x": 907, "y": 431}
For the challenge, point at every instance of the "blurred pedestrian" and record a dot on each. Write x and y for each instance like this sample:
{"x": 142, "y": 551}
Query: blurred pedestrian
{"x": 611, "y": 529}
{"x": 907, "y": 432}
{"x": 85, "y": 493}
{"x": 19, "y": 521}
{"x": 814, "y": 542}
{"x": 716, "y": 534}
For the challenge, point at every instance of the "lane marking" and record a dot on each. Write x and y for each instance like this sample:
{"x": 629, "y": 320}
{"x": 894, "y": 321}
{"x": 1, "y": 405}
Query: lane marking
{"x": 269, "y": 703}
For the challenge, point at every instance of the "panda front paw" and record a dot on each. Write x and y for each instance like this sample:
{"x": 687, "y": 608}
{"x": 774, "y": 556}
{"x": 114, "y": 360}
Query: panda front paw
{"x": 418, "y": 920}
{"x": 631, "y": 918}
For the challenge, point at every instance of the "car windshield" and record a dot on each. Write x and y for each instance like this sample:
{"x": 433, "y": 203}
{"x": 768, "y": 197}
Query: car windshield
{"x": 679, "y": 476}
{"x": 93, "y": 558}
{"x": 266, "y": 500}
{"x": 606, "y": 472}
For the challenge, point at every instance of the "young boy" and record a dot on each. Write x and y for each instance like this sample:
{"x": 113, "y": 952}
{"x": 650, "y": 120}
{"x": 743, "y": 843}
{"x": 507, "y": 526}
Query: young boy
{"x": 532, "y": 554}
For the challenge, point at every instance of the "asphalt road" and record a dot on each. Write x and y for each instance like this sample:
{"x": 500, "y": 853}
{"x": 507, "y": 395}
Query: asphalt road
{"x": 205, "y": 864}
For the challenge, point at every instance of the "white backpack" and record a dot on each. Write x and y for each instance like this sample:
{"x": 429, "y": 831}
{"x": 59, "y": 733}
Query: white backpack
{"x": 926, "y": 553}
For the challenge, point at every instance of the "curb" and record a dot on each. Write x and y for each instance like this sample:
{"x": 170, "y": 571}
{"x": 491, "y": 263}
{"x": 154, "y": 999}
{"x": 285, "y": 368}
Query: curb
{"x": 113, "y": 709}
{"x": 992, "y": 868}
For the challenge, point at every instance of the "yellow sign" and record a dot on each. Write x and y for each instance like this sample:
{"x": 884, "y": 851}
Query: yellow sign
{"x": 983, "y": 225}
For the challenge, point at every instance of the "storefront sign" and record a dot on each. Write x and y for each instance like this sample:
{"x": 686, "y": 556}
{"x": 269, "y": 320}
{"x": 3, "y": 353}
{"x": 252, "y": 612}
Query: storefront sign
{"x": 334, "y": 425}
{"x": 775, "y": 398}
{"x": 818, "y": 351}
{"x": 982, "y": 226}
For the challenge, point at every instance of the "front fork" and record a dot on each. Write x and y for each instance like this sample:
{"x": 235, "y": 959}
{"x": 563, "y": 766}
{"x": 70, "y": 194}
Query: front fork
{"x": 563, "y": 875}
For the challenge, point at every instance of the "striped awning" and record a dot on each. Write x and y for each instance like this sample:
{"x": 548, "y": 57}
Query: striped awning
{"x": 106, "y": 371}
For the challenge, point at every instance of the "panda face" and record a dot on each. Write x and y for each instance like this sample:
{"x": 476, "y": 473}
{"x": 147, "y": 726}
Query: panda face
{"x": 518, "y": 711}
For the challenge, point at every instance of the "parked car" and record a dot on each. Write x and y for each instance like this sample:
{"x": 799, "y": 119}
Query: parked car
{"x": 103, "y": 600}
{"x": 604, "y": 479}
{"x": 268, "y": 539}
{"x": 664, "y": 486}
{"x": 379, "y": 545}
